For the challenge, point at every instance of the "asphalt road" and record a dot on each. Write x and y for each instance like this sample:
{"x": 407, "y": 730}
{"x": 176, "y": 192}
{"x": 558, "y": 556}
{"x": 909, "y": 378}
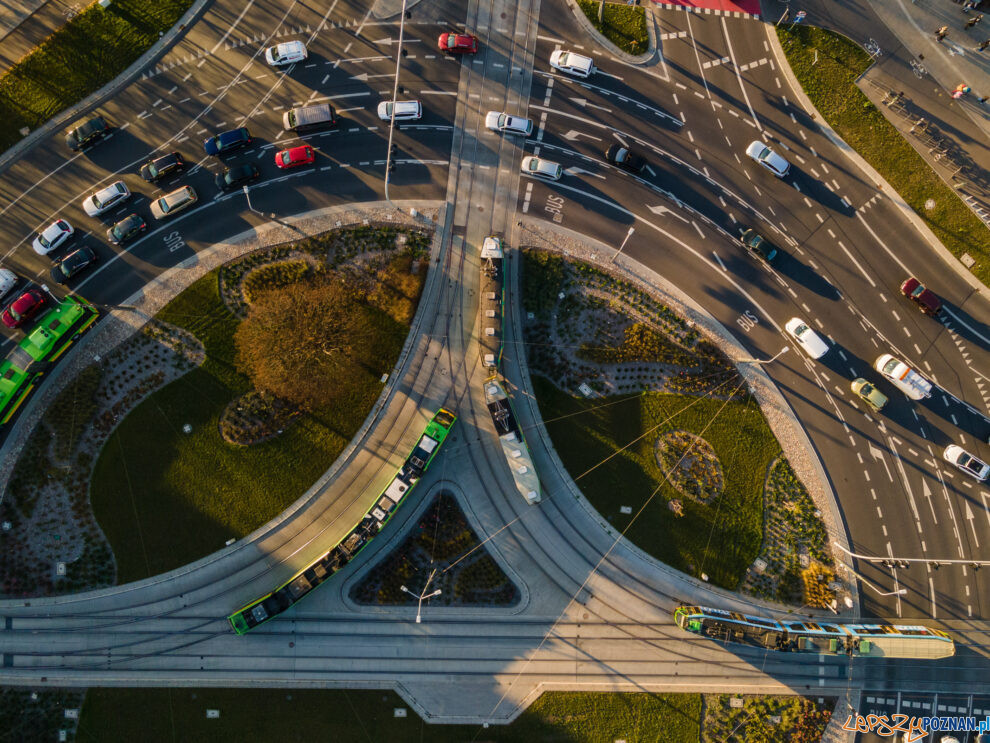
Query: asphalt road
{"x": 845, "y": 252}
{"x": 588, "y": 621}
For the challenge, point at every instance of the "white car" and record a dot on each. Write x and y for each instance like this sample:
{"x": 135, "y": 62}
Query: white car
{"x": 286, "y": 53}
{"x": 404, "y": 110}
{"x": 811, "y": 343}
{"x": 500, "y": 122}
{"x": 106, "y": 199}
{"x": 962, "y": 459}
{"x": 768, "y": 159}
{"x": 903, "y": 377}
{"x": 573, "y": 64}
{"x": 538, "y": 166}
{"x": 52, "y": 237}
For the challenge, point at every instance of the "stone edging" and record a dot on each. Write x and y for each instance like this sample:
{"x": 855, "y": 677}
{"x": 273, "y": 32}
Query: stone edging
{"x": 634, "y": 59}
{"x": 780, "y": 417}
{"x": 106, "y": 92}
{"x": 940, "y": 250}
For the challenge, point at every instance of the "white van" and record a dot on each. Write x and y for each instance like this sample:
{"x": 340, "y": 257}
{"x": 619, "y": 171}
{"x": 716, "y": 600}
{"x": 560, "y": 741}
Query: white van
{"x": 903, "y": 377}
{"x": 8, "y": 282}
{"x": 303, "y": 119}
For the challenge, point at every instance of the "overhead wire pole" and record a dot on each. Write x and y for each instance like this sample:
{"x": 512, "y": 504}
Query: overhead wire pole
{"x": 395, "y": 95}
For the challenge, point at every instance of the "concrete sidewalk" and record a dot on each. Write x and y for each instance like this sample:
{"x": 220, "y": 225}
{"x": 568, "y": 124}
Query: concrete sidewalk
{"x": 955, "y": 135}
{"x": 25, "y": 25}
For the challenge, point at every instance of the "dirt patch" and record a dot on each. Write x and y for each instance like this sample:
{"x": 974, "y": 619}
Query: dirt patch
{"x": 255, "y": 417}
{"x": 443, "y": 540}
{"x": 691, "y": 465}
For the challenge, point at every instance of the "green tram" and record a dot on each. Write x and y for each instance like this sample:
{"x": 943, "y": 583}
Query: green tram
{"x": 289, "y": 593}
{"x": 58, "y": 328}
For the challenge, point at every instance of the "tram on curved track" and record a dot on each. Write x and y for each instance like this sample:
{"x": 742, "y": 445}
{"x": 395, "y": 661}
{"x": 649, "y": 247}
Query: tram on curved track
{"x": 334, "y": 559}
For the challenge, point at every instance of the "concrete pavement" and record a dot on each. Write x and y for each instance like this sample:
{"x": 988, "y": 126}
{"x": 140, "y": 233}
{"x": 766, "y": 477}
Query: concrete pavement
{"x": 909, "y": 60}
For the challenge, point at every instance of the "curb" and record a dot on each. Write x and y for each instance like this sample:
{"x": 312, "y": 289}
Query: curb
{"x": 121, "y": 324}
{"x": 885, "y": 188}
{"x": 59, "y": 120}
{"x": 780, "y": 417}
{"x": 633, "y": 59}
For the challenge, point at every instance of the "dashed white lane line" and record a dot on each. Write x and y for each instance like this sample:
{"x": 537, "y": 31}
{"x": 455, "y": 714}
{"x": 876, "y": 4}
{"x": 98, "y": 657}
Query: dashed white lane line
{"x": 857, "y": 264}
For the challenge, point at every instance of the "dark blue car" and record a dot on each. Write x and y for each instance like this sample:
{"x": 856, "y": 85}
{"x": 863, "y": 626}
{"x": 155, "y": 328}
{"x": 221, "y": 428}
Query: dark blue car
{"x": 227, "y": 141}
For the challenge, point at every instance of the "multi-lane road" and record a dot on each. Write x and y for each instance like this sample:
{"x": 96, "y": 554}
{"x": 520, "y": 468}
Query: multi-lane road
{"x": 594, "y": 613}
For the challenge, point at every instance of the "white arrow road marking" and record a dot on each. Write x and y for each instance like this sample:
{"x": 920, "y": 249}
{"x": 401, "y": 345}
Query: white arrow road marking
{"x": 650, "y": 171}
{"x": 663, "y": 211}
{"x": 365, "y": 77}
{"x": 969, "y": 518}
{"x": 904, "y": 479}
{"x": 583, "y": 103}
{"x": 928, "y": 494}
{"x": 578, "y": 171}
{"x": 574, "y": 134}
{"x": 878, "y": 454}
{"x": 621, "y": 140}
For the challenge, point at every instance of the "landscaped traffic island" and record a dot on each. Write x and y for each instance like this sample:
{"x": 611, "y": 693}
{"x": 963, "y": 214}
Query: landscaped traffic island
{"x": 660, "y": 433}
{"x": 216, "y": 417}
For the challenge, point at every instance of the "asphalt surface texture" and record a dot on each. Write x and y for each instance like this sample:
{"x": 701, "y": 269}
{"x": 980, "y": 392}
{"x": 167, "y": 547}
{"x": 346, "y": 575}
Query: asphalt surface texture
{"x": 844, "y": 251}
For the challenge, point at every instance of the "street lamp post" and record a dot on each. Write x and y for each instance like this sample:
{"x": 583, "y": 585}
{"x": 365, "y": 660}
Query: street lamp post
{"x": 273, "y": 217}
{"x": 424, "y": 594}
{"x": 773, "y": 358}
{"x": 628, "y": 235}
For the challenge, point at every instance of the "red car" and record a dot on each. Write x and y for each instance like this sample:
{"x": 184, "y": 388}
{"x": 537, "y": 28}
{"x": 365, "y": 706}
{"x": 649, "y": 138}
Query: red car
{"x": 457, "y": 43}
{"x": 301, "y": 155}
{"x": 926, "y": 300}
{"x": 23, "y": 308}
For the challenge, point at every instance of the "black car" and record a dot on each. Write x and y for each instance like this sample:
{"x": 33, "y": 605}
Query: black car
{"x": 125, "y": 229}
{"x": 624, "y": 158}
{"x": 87, "y": 133}
{"x": 72, "y": 264}
{"x": 236, "y": 176}
{"x": 160, "y": 167}
{"x": 757, "y": 246}
{"x": 227, "y": 141}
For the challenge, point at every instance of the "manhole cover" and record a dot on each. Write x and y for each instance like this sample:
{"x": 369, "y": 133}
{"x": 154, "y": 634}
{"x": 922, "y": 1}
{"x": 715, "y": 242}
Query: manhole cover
{"x": 930, "y": 204}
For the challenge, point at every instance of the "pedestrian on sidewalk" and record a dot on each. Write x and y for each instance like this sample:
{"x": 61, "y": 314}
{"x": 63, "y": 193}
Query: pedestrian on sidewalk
{"x": 941, "y": 33}
{"x": 983, "y": 45}
{"x": 974, "y": 20}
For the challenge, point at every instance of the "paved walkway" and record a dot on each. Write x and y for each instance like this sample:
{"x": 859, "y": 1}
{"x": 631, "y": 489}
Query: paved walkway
{"x": 25, "y": 25}
{"x": 955, "y": 135}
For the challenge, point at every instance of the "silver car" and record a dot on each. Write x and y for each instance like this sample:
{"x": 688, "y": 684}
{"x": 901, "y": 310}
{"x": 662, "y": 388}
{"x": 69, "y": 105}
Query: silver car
{"x": 501, "y": 122}
{"x": 174, "y": 202}
{"x": 545, "y": 168}
{"x": 106, "y": 199}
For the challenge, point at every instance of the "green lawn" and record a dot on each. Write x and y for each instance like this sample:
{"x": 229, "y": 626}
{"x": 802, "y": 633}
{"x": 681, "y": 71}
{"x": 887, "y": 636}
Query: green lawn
{"x": 829, "y": 85}
{"x": 80, "y": 58}
{"x": 164, "y": 497}
{"x": 154, "y": 715}
{"x": 720, "y": 539}
{"x": 624, "y": 25}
